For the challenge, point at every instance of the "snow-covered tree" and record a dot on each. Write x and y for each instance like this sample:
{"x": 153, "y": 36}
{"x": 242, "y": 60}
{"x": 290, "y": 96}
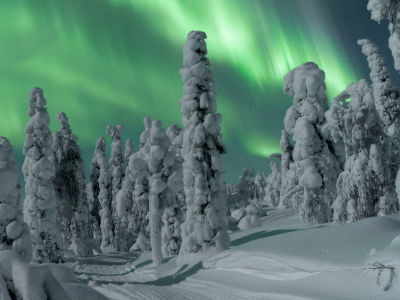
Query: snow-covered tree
{"x": 94, "y": 203}
{"x": 387, "y": 103}
{"x": 117, "y": 170}
{"x": 205, "y": 225}
{"x": 314, "y": 164}
{"x": 14, "y": 233}
{"x": 158, "y": 162}
{"x": 104, "y": 196}
{"x": 247, "y": 186}
{"x": 40, "y": 205}
{"x": 358, "y": 124}
{"x": 259, "y": 186}
{"x": 70, "y": 187}
{"x": 138, "y": 174}
{"x": 273, "y": 184}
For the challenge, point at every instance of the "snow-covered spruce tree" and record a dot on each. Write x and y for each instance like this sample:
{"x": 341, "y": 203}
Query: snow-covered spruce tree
{"x": 117, "y": 170}
{"x": 288, "y": 176}
{"x": 94, "y": 203}
{"x": 40, "y": 205}
{"x": 14, "y": 233}
{"x": 205, "y": 225}
{"x": 104, "y": 196}
{"x": 259, "y": 186}
{"x": 175, "y": 209}
{"x": 247, "y": 186}
{"x": 139, "y": 178}
{"x": 358, "y": 125}
{"x": 315, "y": 166}
{"x": 273, "y": 183}
{"x": 158, "y": 163}
{"x": 387, "y": 103}
{"x": 70, "y": 187}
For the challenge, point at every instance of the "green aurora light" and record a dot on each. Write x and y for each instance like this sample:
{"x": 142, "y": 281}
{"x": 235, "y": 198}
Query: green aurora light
{"x": 117, "y": 61}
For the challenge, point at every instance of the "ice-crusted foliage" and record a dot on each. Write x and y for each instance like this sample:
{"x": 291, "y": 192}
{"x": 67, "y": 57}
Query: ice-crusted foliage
{"x": 14, "y": 233}
{"x": 104, "y": 196}
{"x": 70, "y": 187}
{"x": 19, "y": 280}
{"x": 288, "y": 175}
{"x": 359, "y": 186}
{"x": 247, "y": 187}
{"x": 117, "y": 173}
{"x": 314, "y": 165}
{"x": 205, "y": 226}
{"x": 94, "y": 203}
{"x": 273, "y": 184}
{"x": 389, "y": 9}
{"x": 40, "y": 205}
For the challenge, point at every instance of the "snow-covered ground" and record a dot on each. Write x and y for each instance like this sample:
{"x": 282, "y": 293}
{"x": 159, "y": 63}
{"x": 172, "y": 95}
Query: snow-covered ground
{"x": 282, "y": 260}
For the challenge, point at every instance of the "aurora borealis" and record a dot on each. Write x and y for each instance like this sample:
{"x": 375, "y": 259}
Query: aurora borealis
{"x": 108, "y": 62}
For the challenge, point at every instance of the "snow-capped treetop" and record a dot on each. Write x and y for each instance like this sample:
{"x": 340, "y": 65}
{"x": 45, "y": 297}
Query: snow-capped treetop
{"x": 65, "y": 128}
{"x": 37, "y": 130}
{"x": 380, "y": 9}
{"x": 146, "y": 133}
{"x": 306, "y": 81}
{"x": 36, "y": 100}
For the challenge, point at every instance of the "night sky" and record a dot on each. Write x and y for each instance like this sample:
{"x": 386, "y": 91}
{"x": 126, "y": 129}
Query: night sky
{"x": 108, "y": 62}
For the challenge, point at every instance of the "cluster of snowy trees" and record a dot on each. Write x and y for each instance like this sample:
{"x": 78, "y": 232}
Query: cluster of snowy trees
{"x": 339, "y": 163}
{"x": 167, "y": 196}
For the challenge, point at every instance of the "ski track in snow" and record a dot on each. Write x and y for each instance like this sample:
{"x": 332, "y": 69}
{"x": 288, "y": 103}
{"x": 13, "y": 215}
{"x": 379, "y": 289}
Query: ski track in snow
{"x": 116, "y": 277}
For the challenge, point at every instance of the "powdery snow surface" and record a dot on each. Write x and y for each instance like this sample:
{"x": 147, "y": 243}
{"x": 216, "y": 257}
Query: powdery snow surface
{"x": 281, "y": 260}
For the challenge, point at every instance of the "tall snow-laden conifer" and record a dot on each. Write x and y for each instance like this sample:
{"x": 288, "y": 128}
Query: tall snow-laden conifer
{"x": 139, "y": 174}
{"x": 104, "y": 196}
{"x": 14, "y": 233}
{"x": 358, "y": 124}
{"x": 94, "y": 203}
{"x": 205, "y": 225}
{"x": 387, "y": 103}
{"x": 40, "y": 205}
{"x": 117, "y": 170}
{"x": 315, "y": 166}
{"x": 159, "y": 161}
{"x": 70, "y": 187}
